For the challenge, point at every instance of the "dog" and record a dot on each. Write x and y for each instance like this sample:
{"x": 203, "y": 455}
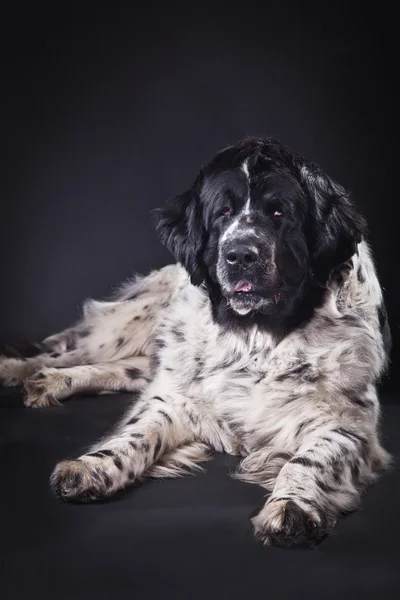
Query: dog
{"x": 265, "y": 340}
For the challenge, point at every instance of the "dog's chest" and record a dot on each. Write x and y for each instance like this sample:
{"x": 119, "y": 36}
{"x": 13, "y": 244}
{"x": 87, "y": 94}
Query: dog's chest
{"x": 214, "y": 370}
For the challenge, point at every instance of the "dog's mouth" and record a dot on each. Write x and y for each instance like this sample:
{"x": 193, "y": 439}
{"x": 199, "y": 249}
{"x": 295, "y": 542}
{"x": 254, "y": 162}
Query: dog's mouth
{"x": 245, "y": 297}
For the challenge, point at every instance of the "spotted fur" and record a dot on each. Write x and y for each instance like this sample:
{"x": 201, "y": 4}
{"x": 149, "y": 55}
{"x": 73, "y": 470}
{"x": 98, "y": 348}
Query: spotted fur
{"x": 284, "y": 376}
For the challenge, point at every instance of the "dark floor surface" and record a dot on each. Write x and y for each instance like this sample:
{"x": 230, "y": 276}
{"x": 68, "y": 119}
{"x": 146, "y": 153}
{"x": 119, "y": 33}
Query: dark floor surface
{"x": 185, "y": 538}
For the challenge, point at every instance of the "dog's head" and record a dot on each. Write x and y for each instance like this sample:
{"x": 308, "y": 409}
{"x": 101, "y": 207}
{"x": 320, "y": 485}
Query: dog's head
{"x": 261, "y": 224}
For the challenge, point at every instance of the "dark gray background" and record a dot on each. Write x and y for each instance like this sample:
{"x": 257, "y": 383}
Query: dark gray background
{"x": 108, "y": 112}
{"x": 105, "y": 113}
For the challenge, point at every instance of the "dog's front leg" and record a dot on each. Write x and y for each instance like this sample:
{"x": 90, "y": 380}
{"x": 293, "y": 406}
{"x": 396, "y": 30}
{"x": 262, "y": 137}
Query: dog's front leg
{"x": 323, "y": 480}
{"x": 152, "y": 429}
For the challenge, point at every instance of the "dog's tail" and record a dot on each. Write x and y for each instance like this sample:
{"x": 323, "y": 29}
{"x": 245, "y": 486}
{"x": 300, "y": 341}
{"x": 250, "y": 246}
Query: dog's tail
{"x": 181, "y": 461}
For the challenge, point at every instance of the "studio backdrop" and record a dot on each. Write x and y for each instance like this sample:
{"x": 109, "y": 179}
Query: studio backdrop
{"x": 107, "y": 113}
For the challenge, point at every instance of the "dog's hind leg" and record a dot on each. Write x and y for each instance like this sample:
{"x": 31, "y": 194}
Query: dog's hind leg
{"x": 107, "y": 331}
{"x": 49, "y": 385}
{"x": 14, "y": 370}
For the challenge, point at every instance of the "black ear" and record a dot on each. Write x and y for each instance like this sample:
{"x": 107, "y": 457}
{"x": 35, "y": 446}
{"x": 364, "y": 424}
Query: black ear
{"x": 335, "y": 227}
{"x": 180, "y": 227}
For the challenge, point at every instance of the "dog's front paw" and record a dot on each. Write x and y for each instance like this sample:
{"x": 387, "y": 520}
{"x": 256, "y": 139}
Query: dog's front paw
{"x": 78, "y": 481}
{"x": 45, "y": 387}
{"x": 285, "y": 523}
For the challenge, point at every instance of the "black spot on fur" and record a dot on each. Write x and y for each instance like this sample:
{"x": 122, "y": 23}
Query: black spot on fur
{"x": 279, "y": 499}
{"x": 71, "y": 343}
{"x": 192, "y": 416}
{"x": 98, "y": 454}
{"x": 68, "y": 382}
{"x": 363, "y": 443}
{"x": 284, "y": 455}
{"x": 107, "y": 452}
{"x": 145, "y": 447}
{"x": 302, "y": 372}
{"x": 120, "y": 341}
{"x": 106, "y": 479}
{"x": 159, "y": 343}
{"x": 306, "y": 462}
{"x": 337, "y": 471}
{"x": 324, "y": 486}
{"x": 132, "y": 421}
{"x": 134, "y": 295}
{"x": 166, "y": 416}
{"x": 137, "y": 435}
{"x": 117, "y": 462}
{"x": 133, "y": 372}
{"x": 360, "y": 275}
{"x": 303, "y": 426}
{"x": 261, "y": 441}
{"x": 197, "y": 378}
{"x": 179, "y": 335}
{"x": 142, "y": 410}
{"x": 157, "y": 448}
{"x": 136, "y": 318}
{"x": 352, "y": 319}
{"x": 154, "y": 364}
{"x": 39, "y": 376}
{"x": 55, "y": 355}
{"x": 355, "y": 473}
{"x": 158, "y": 398}
{"x": 350, "y": 435}
{"x": 356, "y": 399}
{"x": 306, "y": 500}
{"x": 133, "y": 445}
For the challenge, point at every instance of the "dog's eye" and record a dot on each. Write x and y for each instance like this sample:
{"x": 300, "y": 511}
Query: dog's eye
{"x": 226, "y": 211}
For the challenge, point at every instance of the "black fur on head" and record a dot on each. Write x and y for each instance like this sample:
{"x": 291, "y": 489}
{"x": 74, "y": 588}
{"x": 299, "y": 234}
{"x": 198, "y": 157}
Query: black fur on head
{"x": 263, "y": 228}
{"x": 180, "y": 227}
{"x": 337, "y": 227}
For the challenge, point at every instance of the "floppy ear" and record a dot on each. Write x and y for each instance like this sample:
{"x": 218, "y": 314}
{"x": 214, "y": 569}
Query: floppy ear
{"x": 181, "y": 230}
{"x": 336, "y": 227}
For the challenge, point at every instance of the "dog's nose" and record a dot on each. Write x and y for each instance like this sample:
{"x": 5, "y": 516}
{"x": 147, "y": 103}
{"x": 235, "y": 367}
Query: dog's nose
{"x": 241, "y": 254}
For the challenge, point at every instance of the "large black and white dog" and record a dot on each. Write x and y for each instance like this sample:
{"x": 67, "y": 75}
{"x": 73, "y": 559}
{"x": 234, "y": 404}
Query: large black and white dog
{"x": 266, "y": 340}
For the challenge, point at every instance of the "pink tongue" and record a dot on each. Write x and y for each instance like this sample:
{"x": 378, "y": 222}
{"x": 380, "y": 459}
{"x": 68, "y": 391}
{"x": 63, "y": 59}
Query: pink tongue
{"x": 242, "y": 286}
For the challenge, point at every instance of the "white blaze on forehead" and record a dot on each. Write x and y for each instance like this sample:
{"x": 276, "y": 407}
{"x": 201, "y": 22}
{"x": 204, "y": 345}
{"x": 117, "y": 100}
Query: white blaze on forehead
{"x": 232, "y": 229}
{"x": 245, "y": 170}
{"x": 229, "y": 231}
